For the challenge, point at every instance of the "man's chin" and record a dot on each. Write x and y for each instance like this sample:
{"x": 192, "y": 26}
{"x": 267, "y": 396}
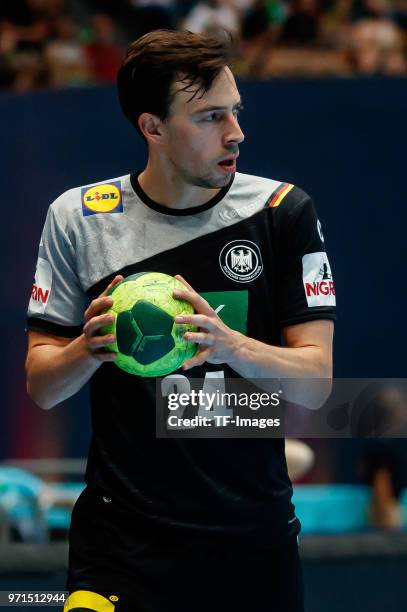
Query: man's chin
{"x": 213, "y": 182}
{"x": 224, "y": 180}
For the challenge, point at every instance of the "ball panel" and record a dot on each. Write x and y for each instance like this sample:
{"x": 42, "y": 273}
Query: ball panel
{"x": 171, "y": 362}
{"x": 129, "y": 335}
{"x": 151, "y": 319}
{"x": 132, "y": 277}
{"x": 152, "y": 348}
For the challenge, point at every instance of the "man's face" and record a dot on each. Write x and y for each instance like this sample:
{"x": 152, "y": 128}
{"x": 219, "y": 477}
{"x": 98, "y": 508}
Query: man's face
{"x": 202, "y": 135}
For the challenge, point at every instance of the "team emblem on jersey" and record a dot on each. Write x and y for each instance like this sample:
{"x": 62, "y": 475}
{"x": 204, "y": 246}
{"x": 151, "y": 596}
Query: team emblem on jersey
{"x": 241, "y": 261}
{"x": 317, "y": 278}
{"x": 105, "y": 198}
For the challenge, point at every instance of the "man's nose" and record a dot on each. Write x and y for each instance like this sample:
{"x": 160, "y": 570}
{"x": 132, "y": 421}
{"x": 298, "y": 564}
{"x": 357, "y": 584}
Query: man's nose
{"x": 233, "y": 132}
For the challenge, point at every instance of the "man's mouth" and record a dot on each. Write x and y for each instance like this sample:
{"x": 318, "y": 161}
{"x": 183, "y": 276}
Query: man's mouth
{"x": 228, "y": 165}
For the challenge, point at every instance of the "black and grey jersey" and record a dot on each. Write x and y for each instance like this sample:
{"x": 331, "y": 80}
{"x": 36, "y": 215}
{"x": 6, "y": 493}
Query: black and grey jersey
{"x": 256, "y": 252}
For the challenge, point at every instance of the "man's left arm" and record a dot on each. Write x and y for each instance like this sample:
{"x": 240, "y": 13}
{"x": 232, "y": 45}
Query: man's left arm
{"x": 307, "y": 353}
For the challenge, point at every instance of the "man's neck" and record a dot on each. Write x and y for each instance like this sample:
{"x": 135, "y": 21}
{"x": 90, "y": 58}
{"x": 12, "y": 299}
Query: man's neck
{"x": 167, "y": 189}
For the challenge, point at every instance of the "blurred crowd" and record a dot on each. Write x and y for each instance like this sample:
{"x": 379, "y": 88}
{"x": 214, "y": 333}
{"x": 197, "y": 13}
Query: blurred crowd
{"x": 57, "y": 43}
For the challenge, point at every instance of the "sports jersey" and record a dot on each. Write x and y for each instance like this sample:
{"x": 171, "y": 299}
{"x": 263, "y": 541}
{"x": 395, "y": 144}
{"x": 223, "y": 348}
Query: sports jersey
{"x": 257, "y": 249}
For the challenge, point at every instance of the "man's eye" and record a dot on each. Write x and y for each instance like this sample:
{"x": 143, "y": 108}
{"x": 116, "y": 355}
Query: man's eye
{"x": 213, "y": 117}
{"x": 218, "y": 116}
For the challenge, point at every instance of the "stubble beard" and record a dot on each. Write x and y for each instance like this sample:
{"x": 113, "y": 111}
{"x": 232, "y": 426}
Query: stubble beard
{"x": 207, "y": 181}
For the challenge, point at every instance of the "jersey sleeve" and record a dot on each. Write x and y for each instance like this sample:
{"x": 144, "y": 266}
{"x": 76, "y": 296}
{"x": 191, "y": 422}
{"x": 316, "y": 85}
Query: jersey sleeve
{"x": 305, "y": 288}
{"x": 57, "y": 301}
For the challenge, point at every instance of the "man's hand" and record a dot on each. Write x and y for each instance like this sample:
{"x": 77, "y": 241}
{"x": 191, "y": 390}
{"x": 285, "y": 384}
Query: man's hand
{"x": 57, "y": 367}
{"x": 95, "y": 320}
{"x": 217, "y": 342}
{"x": 306, "y": 356}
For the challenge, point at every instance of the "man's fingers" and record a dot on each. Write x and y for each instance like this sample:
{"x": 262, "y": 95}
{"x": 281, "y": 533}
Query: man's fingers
{"x": 117, "y": 279}
{"x": 97, "y": 342}
{"x": 197, "y": 320}
{"x": 190, "y": 295}
{"x": 198, "y": 360}
{"x": 200, "y": 338}
{"x": 103, "y": 302}
{"x": 95, "y": 319}
{"x": 102, "y": 355}
{"x": 183, "y": 281}
{"x": 197, "y": 301}
{"x": 97, "y": 307}
{"x": 95, "y": 323}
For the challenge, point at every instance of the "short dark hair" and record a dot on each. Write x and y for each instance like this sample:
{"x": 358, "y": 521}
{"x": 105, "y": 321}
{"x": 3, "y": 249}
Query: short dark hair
{"x": 156, "y": 60}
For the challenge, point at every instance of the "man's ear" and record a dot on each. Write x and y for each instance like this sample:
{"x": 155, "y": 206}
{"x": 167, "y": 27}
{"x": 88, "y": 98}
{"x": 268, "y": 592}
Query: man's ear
{"x": 151, "y": 127}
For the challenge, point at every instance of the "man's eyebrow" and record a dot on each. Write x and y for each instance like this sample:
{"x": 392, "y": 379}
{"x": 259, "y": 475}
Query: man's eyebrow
{"x": 207, "y": 109}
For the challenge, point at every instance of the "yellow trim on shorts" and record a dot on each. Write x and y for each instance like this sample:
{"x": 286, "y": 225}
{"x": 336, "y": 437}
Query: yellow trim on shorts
{"x": 88, "y": 599}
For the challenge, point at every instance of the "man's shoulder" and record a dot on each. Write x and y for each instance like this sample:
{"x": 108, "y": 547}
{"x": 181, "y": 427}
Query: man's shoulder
{"x": 101, "y": 196}
{"x": 272, "y": 192}
{"x": 254, "y": 184}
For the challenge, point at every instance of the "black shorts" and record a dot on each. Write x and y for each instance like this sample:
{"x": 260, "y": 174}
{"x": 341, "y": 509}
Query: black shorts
{"x": 116, "y": 565}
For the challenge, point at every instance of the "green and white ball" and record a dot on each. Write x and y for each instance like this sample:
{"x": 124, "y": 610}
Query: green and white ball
{"x": 148, "y": 341}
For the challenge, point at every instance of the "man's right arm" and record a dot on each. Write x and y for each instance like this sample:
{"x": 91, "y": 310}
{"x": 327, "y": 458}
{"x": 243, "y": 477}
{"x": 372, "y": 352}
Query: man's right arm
{"x": 58, "y": 367}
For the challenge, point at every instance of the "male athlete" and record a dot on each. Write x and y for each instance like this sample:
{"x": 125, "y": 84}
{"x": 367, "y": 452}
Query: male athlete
{"x": 183, "y": 524}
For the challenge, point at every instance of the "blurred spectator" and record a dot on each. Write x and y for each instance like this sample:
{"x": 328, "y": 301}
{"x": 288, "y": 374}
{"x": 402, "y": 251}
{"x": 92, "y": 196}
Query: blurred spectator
{"x": 377, "y": 46}
{"x": 382, "y": 411}
{"x": 306, "y": 62}
{"x": 260, "y": 29}
{"x": 274, "y": 48}
{"x": 213, "y": 15}
{"x": 371, "y": 8}
{"x": 148, "y": 15}
{"x": 65, "y": 56}
{"x": 104, "y": 54}
{"x": 66, "y": 42}
{"x": 383, "y": 470}
{"x": 24, "y": 22}
{"x": 302, "y": 24}
{"x": 335, "y": 22}
{"x": 262, "y": 15}
{"x": 23, "y": 32}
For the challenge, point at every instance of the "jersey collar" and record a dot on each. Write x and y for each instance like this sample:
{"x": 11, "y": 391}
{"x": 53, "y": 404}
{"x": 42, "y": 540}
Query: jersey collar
{"x": 165, "y": 210}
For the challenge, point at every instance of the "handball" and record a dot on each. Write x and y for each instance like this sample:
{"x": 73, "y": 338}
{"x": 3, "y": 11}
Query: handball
{"x": 148, "y": 341}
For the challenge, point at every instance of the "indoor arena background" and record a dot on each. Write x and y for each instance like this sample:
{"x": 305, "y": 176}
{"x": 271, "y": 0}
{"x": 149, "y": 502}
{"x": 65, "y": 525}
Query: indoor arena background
{"x": 342, "y": 139}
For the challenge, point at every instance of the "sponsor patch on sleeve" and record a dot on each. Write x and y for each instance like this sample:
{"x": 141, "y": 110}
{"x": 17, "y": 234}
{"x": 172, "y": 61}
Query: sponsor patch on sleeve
{"x": 317, "y": 278}
{"x": 42, "y": 287}
{"x": 106, "y": 198}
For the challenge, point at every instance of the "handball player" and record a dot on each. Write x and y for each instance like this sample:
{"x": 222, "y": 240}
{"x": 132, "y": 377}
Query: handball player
{"x": 182, "y": 524}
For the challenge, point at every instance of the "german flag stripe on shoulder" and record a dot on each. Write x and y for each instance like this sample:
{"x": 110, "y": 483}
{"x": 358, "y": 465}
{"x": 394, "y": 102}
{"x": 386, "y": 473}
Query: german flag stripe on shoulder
{"x": 278, "y": 196}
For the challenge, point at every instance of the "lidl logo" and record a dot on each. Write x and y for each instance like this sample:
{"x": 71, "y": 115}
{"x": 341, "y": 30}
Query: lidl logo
{"x": 106, "y": 198}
